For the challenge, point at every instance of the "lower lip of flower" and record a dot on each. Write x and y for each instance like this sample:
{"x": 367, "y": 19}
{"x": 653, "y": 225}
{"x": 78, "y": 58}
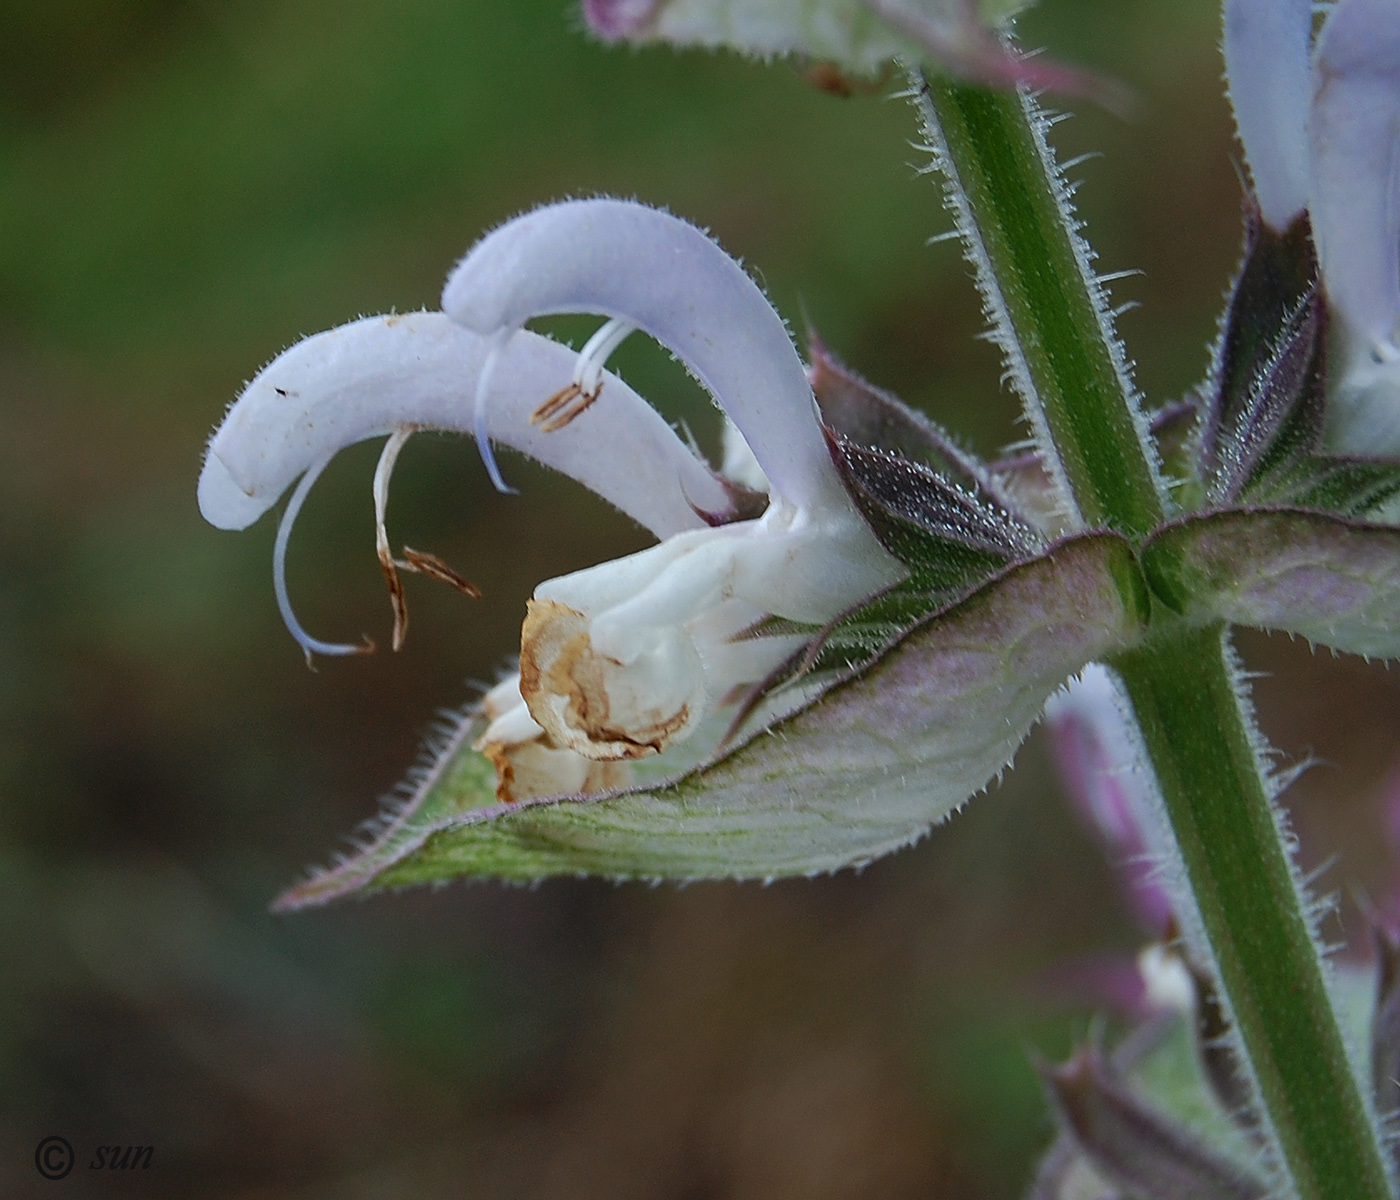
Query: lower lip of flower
{"x": 598, "y": 705}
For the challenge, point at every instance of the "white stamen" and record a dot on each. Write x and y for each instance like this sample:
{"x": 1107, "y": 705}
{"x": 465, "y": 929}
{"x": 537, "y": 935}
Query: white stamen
{"x": 309, "y": 644}
{"x": 588, "y": 374}
{"x": 383, "y": 472}
{"x": 620, "y": 259}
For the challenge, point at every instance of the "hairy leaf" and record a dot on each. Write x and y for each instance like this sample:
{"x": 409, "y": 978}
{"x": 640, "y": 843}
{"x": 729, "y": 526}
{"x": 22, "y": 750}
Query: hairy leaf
{"x": 1135, "y": 1145}
{"x": 953, "y": 537}
{"x": 1265, "y": 400}
{"x": 859, "y": 37}
{"x": 862, "y": 770}
{"x": 933, "y": 505}
{"x": 860, "y": 412}
{"x": 933, "y": 525}
{"x": 1351, "y": 487}
{"x": 1277, "y": 278}
{"x": 952, "y": 541}
{"x": 948, "y": 523}
{"x": 1333, "y": 581}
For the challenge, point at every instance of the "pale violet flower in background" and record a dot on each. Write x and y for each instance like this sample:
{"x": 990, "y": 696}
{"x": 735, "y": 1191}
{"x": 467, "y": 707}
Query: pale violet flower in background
{"x": 620, "y": 661}
{"x": 1320, "y": 124}
{"x": 1107, "y": 782}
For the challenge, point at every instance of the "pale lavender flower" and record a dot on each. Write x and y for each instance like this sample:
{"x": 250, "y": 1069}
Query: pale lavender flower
{"x": 622, "y": 660}
{"x": 1104, "y": 780}
{"x": 1320, "y": 124}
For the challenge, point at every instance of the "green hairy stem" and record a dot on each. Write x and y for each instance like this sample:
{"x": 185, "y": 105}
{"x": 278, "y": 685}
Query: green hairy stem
{"x": 1048, "y": 311}
{"x": 1051, "y": 319}
{"x": 1198, "y": 735}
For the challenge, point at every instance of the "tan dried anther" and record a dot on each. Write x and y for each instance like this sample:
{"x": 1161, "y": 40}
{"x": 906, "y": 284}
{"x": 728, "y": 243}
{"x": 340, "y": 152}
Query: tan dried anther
{"x": 582, "y": 392}
{"x": 415, "y": 561}
{"x": 562, "y": 407}
{"x": 420, "y": 562}
{"x": 397, "y": 601}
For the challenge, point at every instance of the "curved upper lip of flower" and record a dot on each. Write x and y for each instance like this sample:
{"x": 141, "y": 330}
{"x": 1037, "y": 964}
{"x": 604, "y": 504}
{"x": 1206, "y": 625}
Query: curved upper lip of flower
{"x": 420, "y": 369}
{"x": 621, "y": 259}
{"x": 475, "y": 369}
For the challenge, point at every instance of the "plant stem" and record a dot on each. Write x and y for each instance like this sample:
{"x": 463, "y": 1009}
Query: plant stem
{"x": 1047, "y": 307}
{"x": 1199, "y": 736}
{"x": 1051, "y": 319}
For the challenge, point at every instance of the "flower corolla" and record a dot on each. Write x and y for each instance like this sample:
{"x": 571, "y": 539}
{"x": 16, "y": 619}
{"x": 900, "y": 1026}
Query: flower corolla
{"x": 620, "y": 661}
{"x": 1320, "y": 123}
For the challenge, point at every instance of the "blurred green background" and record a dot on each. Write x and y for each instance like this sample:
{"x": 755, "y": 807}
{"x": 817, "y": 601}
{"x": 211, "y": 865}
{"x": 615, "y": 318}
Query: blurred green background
{"x": 187, "y": 186}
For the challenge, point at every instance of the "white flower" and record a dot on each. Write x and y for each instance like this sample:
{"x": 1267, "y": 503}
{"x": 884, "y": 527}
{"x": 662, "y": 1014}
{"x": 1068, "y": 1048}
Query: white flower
{"x": 1321, "y": 131}
{"x": 1269, "y": 77}
{"x": 627, "y": 658}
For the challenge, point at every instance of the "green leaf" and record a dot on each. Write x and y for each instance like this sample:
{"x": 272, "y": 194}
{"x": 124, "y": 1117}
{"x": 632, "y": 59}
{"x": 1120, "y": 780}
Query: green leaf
{"x": 1130, "y": 1141}
{"x": 850, "y": 38}
{"x": 1265, "y": 401}
{"x": 1350, "y": 487}
{"x": 1265, "y": 380}
{"x": 952, "y": 535}
{"x": 1333, "y": 581}
{"x": 845, "y": 32}
{"x": 864, "y": 769}
{"x": 933, "y": 505}
{"x": 857, "y": 410}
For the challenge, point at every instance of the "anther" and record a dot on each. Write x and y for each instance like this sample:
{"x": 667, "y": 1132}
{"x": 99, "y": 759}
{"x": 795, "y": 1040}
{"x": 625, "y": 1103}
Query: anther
{"x": 559, "y": 410}
{"x": 422, "y": 563}
{"x": 571, "y": 401}
{"x": 383, "y": 472}
{"x": 417, "y": 561}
